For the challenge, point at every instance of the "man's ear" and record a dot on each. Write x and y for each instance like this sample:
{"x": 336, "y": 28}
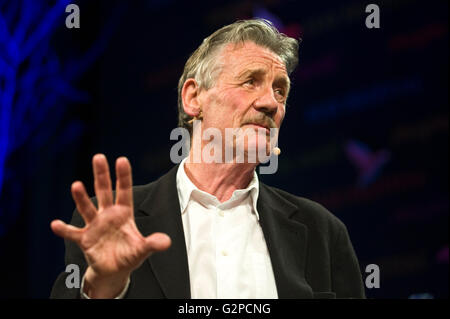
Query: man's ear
{"x": 190, "y": 97}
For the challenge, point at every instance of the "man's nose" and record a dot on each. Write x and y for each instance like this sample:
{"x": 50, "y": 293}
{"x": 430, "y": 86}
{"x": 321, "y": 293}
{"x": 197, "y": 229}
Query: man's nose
{"x": 266, "y": 102}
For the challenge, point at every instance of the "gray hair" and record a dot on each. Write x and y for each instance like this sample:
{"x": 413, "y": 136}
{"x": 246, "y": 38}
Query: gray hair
{"x": 203, "y": 66}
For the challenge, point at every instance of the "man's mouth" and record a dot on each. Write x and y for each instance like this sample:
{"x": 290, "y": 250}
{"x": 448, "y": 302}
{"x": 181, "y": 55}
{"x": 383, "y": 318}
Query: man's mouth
{"x": 258, "y": 126}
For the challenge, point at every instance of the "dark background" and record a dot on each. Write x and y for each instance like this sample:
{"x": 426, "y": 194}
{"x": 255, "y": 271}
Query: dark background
{"x": 365, "y": 134}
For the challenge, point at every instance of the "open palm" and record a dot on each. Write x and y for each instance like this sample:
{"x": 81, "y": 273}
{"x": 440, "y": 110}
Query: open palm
{"x": 110, "y": 240}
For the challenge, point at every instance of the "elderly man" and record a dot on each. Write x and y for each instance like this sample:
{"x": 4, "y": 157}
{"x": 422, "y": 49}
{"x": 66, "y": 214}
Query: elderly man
{"x": 211, "y": 229}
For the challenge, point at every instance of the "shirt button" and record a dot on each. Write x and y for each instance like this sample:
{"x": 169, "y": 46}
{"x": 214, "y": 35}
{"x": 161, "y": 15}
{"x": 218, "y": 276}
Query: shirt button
{"x": 224, "y": 253}
{"x": 221, "y": 214}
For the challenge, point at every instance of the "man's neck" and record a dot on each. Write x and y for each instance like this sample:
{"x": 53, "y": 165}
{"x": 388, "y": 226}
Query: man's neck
{"x": 219, "y": 179}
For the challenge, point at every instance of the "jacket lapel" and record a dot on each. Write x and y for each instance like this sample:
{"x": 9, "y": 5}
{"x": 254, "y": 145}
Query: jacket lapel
{"x": 163, "y": 214}
{"x": 286, "y": 241}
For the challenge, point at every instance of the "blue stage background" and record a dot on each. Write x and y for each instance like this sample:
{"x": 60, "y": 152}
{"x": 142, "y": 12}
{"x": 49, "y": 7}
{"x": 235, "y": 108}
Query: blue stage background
{"x": 365, "y": 134}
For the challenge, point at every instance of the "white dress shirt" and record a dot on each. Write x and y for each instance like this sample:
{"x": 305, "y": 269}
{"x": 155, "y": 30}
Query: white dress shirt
{"x": 227, "y": 252}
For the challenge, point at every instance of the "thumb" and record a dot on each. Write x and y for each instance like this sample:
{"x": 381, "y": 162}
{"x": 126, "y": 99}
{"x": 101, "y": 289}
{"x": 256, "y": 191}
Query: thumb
{"x": 157, "y": 242}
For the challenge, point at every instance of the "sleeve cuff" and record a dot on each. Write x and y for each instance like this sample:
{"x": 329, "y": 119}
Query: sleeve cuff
{"x": 120, "y": 296}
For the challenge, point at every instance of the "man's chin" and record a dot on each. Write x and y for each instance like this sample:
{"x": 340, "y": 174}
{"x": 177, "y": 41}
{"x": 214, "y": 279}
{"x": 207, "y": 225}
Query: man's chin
{"x": 254, "y": 153}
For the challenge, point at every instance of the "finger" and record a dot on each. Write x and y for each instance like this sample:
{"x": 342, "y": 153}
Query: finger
{"x": 66, "y": 231}
{"x": 158, "y": 242}
{"x": 124, "y": 182}
{"x": 84, "y": 205}
{"x": 102, "y": 181}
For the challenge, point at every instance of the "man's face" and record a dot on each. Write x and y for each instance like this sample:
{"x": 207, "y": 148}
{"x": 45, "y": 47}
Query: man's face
{"x": 249, "y": 93}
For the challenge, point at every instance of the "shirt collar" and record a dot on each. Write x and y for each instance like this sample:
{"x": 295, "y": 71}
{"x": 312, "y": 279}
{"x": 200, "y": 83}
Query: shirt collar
{"x": 185, "y": 188}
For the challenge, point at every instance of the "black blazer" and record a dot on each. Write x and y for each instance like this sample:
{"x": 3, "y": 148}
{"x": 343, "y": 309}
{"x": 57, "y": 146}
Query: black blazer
{"x": 311, "y": 252}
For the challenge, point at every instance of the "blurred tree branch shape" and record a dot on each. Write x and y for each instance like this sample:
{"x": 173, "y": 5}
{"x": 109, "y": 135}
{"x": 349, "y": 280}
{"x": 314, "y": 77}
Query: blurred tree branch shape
{"x": 36, "y": 87}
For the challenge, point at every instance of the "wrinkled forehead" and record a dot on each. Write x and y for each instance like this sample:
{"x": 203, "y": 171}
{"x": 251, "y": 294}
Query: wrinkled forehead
{"x": 243, "y": 55}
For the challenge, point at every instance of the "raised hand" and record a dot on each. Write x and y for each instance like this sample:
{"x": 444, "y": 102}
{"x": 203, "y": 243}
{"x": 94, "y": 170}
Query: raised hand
{"x": 111, "y": 243}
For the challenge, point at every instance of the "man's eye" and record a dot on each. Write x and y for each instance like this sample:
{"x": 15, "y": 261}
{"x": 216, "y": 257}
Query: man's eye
{"x": 250, "y": 81}
{"x": 280, "y": 95}
{"x": 280, "y": 92}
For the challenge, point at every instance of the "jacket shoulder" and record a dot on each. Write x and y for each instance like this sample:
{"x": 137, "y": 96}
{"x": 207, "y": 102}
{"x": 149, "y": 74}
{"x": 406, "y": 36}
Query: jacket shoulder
{"x": 309, "y": 211}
